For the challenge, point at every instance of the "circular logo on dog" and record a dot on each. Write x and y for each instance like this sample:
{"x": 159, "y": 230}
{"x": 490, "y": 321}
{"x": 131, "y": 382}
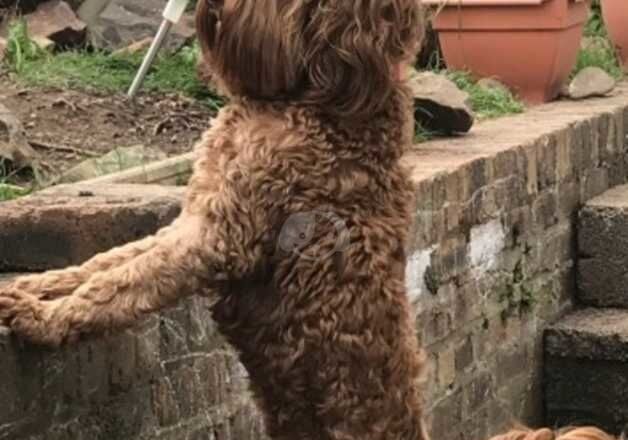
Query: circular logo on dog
{"x": 314, "y": 234}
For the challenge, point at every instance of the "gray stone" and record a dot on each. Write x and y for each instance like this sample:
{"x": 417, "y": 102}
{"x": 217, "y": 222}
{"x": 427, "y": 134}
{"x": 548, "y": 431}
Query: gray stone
{"x": 440, "y": 105}
{"x": 586, "y": 370}
{"x": 13, "y": 144}
{"x": 66, "y": 225}
{"x": 602, "y": 268}
{"x": 55, "y": 21}
{"x": 124, "y": 22}
{"x": 591, "y": 82}
{"x": 116, "y": 160}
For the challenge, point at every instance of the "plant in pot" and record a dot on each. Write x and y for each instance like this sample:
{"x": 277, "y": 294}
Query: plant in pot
{"x": 529, "y": 45}
{"x": 615, "y": 14}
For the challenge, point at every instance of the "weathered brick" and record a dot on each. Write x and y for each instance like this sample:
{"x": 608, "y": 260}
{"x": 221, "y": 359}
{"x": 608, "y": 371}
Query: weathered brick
{"x": 464, "y": 355}
{"x": 564, "y": 164}
{"x": 593, "y": 183}
{"x": 511, "y": 361}
{"x": 446, "y": 367}
{"x": 546, "y": 157}
{"x": 165, "y": 405}
{"x": 568, "y": 200}
{"x": 478, "y": 391}
{"x": 545, "y": 209}
{"x": 559, "y": 246}
{"x": 447, "y": 415}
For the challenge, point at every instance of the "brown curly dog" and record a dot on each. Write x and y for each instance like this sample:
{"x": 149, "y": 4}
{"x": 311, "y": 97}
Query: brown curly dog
{"x": 294, "y": 223}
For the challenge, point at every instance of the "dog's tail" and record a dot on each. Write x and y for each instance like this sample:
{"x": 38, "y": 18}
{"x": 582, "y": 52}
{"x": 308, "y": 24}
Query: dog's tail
{"x": 584, "y": 433}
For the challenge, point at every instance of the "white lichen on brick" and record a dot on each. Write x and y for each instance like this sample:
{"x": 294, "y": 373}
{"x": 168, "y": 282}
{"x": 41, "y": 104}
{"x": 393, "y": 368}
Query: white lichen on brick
{"x": 487, "y": 241}
{"x": 418, "y": 263}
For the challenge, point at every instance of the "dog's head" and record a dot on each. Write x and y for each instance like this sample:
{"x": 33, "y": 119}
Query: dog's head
{"x": 337, "y": 54}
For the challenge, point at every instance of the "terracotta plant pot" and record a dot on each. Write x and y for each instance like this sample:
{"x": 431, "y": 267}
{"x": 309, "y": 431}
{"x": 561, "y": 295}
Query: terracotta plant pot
{"x": 615, "y": 13}
{"x": 529, "y": 45}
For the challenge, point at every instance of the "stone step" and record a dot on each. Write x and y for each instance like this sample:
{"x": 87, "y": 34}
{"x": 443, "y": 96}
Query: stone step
{"x": 586, "y": 369}
{"x": 68, "y": 224}
{"x": 603, "y": 250}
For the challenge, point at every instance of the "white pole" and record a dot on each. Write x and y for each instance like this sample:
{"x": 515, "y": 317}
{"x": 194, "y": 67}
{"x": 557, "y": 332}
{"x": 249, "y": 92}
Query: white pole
{"x": 172, "y": 14}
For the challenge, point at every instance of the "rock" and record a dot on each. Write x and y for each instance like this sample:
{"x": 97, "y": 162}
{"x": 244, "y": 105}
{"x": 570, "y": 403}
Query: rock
{"x": 90, "y": 10}
{"x": 493, "y": 84}
{"x": 56, "y": 21}
{"x": 116, "y": 160}
{"x": 13, "y": 144}
{"x": 124, "y": 22}
{"x": 564, "y": 91}
{"x": 43, "y": 42}
{"x": 3, "y": 48}
{"x": 440, "y": 105}
{"x": 590, "y": 82}
{"x": 133, "y": 48}
{"x": 67, "y": 224}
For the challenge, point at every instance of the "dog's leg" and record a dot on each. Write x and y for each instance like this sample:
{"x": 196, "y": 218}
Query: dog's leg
{"x": 109, "y": 300}
{"x": 57, "y": 283}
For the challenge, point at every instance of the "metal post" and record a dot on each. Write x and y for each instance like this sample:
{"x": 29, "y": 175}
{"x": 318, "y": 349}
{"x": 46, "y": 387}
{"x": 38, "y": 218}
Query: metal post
{"x": 164, "y": 28}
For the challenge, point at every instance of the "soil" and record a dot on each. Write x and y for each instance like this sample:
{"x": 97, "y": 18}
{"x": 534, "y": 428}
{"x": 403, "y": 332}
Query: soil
{"x": 92, "y": 123}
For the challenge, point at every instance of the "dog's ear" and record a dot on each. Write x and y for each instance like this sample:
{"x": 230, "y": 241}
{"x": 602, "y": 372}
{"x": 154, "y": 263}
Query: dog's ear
{"x": 253, "y": 46}
{"x": 207, "y": 22}
{"x": 352, "y": 48}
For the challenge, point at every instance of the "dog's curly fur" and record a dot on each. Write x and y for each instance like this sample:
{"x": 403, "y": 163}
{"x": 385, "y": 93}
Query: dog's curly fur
{"x": 583, "y": 433}
{"x": 317, "y": 123}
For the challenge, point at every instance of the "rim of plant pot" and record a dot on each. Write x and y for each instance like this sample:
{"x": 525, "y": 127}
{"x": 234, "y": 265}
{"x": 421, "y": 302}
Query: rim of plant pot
{"x": 512, "y": 15}
{"x": 488, "y": 2}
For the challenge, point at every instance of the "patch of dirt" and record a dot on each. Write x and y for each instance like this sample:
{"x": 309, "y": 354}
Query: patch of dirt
{"x": 96, "y": 123}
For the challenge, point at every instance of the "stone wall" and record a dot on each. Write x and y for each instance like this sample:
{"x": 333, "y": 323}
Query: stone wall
{"x": 172, "y": 378}
{"x": 493, "y": 258}
{"x": 490, "y": 264}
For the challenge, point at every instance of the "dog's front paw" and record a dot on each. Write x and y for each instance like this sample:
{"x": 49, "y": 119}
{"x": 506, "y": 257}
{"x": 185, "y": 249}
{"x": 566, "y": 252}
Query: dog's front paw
{"x": 29, "y": 318}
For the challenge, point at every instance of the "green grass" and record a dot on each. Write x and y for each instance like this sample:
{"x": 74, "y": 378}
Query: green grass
{"x": 600, "y": 55}
{"x": 7, "y": 190}
{"x": 10, "y": 192}
{"x": 595, "y": 26}
{"x": 102, "y": 71}
{"x": 599, "y": 52}
{"x": 422, "y": 134}
{"x": 486, "y": 103}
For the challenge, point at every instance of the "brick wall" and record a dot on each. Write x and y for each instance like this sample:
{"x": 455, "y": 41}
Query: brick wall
{"x": 491, "y": 262}
{"x": 172, "y": 378}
